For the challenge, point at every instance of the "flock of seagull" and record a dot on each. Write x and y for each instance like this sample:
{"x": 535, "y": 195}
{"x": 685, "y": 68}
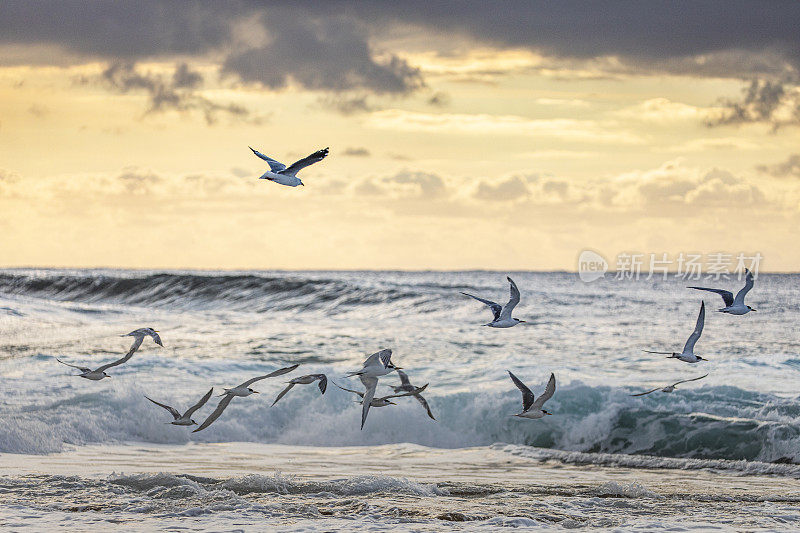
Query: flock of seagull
{"x": 380, "y": 363}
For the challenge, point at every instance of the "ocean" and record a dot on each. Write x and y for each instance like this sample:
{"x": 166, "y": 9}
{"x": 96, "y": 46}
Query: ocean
{"x": 719, "y": 453}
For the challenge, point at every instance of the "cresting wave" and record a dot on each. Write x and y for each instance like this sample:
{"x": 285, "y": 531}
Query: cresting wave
{"x": 590, "y": 424}
{"x": 182, "y": 291}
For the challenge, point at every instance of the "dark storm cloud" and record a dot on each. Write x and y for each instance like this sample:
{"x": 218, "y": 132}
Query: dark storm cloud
{"x": 320, "y": 53}
{"x": 176, "y": 93}
{"x": 119, "y": 30}
{"x": 771, "y": 102}
{"x": 635, "y": 31}
{"x": 335, "y": 46}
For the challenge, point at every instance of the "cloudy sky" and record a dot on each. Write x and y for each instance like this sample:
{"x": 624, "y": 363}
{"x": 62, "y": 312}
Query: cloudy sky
{"x": 462, "y": 135}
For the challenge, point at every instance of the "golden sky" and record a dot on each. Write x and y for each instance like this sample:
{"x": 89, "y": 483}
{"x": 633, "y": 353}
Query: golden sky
{"x": 460, "y": 138}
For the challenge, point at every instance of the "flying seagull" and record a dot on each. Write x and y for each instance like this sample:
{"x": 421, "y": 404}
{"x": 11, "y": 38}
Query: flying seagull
{"x": 100, "y": 372}
{"x": 405, "y": 385}
{"x": 532, "y": 408}
{"x": 383, "y": 401}
{"x": 184, "y": 419}
{"x": 305, "y": 380}
{"x": 687, "y": 355}
{"x": 240, "y": 390}
{"x": 669, "y": 388}
{"x": 734, "y": 306}
{"x": 280, "y": 173}
{"x": 376, "y": 365}
{"x": 138, "y": 337}
{"x": 502, "y": 313}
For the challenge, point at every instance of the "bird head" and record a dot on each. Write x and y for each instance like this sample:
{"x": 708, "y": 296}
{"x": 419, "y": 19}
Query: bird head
{"x": 390, "y": 402}
{"x": 192, "y": 422}
{"x": 391, "y": 365}
{"x": 750, "y": 308}
{"x": 700, "y": 358}
{"x": 253, "y": 391}
{"x": 546, "y": 412}
{"x": 303, "y": 184}
{"x": 106, "y": 375}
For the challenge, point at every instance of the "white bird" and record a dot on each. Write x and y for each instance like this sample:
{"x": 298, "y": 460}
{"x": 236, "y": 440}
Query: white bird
{"x": 305, "y": 380}
{"x": 383, "y": 401}
{"x": 184, "y": 419}
{"x": 138, "y": 337}
{"x": 100, "y": 372}
{"x": 240, "y": 390}
{"x": 280, "y": 173}
{"x": 734, "y": 306}
{"x": 687, "y": 355}
{"x": 669, "y": 388}
{"x": 502, "y": 313}
{"x": 532, "y": 408}
{"x": 376, "y": 365}
{"x": 405, "y": 385}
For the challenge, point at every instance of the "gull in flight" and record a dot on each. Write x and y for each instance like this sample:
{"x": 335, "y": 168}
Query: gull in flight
{"x": 138, "y": 337}
{"x": 100, "y": 372}
{"x": 240, "y": 390}
{"x": 502, "y": 313}
{"x": 734, "y": 306}
{"x": 184, "y": 419}
{"x": 532, "y": 408}
{"x": 687, "y": 355}
{"x": 376, "y": 365}
{"x": 280, "y": 173}
{"x": 383, "y": 401}
{"x": 406, "y": 386}
{"x": 305, "y": 380}
{"x": 669, "y": 388}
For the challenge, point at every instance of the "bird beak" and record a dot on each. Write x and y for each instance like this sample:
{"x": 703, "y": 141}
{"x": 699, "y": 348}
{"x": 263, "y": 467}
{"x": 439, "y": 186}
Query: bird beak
{"x": 754, "y": 309}
{"x": 398, "y": 368}
{"x": 550, "y": 414}
{"x": 522, "y": 320}
{"x": 303, "y": 184}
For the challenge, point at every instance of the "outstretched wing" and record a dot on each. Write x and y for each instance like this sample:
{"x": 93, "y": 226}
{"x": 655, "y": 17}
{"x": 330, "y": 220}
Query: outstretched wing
{"x": 199, "y": 404}
{"x": 698, "y": 330}
{"x": 384, "y": 356}
{"x": 496, "y": 307}
{"x": 549, "y": 390}
{"x": 275, "y": 166}
{"x": 512, "y": 301}
{"x": 124, "y": 359}
{"x": 323, "y": 383}
{"x": 424, "y": 403}
{"x": 283, "y": 393}
{"x": 174, "y": 412}
{"x": 361, "y": 394}
{"x": 688, "y": 380}
{"x": 527, "y": 395}
{"x": 727, "y": 296}
{"x": 156, "y": 338}
{"x": 279, "y": 372}
{"x": 748, "y": 284}
{"x": 81, "y": 368}
{"x": 404, "y": 378}
{"x": 223, "y": 403}
{"x": 297, "y": 166}
{"x": 369, "y": 393}
{"x": 137, "y": 341}
{"x": 648, "y": 392}
{"x": 407, "y": 393}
